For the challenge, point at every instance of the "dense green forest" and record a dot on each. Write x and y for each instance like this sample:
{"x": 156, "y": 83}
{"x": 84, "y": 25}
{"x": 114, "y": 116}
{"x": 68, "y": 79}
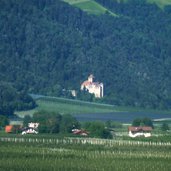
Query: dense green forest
{"x": 11, "y": 100}
{"x": 47, "y": 46}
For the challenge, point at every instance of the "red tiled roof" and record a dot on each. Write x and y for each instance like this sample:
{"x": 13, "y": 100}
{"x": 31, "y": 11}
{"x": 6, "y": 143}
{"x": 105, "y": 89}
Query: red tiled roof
{"x": 139, "y": 128}
{"x": 87, "y": 83}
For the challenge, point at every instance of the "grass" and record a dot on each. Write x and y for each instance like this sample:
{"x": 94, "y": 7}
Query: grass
{"x": 90, "y": 6}
{"x": 160, "y": 3}
{"x": 67, "y": 106}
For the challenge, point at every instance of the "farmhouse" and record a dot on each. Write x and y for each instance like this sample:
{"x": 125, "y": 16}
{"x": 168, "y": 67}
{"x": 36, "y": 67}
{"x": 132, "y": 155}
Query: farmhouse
{"x": 79, "y": 132}
{"x": 95, "y": 88}
{"x": 31, "y": 129}
{"x": 139, "y": 131}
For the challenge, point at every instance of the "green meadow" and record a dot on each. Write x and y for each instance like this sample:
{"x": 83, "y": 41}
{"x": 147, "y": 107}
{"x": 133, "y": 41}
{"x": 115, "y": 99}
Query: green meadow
{"x": 160, "y": 3}
{"x": 89, "y": 6}
{"x": 68, "y": 106}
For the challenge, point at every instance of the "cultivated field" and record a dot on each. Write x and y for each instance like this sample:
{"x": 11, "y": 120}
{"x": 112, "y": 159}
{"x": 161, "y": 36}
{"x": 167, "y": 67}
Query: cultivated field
{"x": 75, "y": 155}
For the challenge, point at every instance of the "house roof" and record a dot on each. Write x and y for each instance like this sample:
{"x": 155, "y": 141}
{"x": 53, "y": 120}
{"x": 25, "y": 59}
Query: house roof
{"x": 139, "y": 128}
{"x": 87, "y": 83}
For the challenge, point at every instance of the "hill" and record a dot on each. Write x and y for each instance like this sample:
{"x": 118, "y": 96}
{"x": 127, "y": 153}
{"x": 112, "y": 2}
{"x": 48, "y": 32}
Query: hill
{"x": 161, "y": 3}
{"x": 90, "y": 6}
{"x": 69, "y": 106}
{"x": 50, "y": 46}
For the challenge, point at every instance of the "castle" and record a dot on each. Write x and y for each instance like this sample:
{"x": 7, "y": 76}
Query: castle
{"x": 95, "y": 88}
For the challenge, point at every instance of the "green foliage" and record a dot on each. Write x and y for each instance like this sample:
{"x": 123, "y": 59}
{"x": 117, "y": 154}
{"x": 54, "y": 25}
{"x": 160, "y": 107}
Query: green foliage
{"x": 85, "y": 95}
{"x": 165, "y": 127}
{"x": 112, "y": 124}
{"x": 24, "y": 102}
{"x": 51, "y": 122}
{"x": 11, "y": 100}
{"x": 68, "y": 122}
{"x": 27, "y": 119}
{"x": 3, "y": 121}
{"x": 97, "y": 129}
{"x": 48, "y": 122}
{"x": 142, "y": 122}
{"x": 16, "y": 129}
{"x": 48, "y": 46}
{"x": 7, "y": 99}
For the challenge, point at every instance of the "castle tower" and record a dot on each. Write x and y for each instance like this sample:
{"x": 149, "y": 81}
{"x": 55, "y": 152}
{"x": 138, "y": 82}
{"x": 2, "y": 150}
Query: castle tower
{"x": 90, "y": 78}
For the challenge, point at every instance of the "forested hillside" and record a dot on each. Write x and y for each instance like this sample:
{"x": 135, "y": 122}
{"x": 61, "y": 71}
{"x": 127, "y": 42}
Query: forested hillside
{"x": 48, "y": 45}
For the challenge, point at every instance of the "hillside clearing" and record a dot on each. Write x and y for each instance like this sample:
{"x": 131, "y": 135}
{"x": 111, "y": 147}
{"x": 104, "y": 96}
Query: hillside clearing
{"x": 90, "y": 6}
{"x": 161, "y": 3}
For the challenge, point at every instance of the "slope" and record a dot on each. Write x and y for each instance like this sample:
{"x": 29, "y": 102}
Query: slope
{"x": 90, "y": 6}
{"x": 160, "y": 3}
{"x": 49, "y": 46}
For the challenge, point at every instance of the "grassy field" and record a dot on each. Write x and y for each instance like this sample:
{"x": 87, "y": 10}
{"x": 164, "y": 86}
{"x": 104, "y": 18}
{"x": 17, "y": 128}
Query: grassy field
{"x": 54, "y": 155}
{"x": 160, "y": 3}
{"x": 92, "y": 7}
{"x": 89, "y": 6}
{"x": 67, "y": 106}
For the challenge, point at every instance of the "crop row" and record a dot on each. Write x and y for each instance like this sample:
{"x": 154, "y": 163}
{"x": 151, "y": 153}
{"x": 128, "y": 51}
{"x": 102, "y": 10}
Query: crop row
{"x": 40, "y": 156}
{"x": 94, "y": 141}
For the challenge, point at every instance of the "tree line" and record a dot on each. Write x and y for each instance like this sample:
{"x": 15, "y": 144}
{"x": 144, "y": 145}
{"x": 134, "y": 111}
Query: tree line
{"x": 48, "y": 46}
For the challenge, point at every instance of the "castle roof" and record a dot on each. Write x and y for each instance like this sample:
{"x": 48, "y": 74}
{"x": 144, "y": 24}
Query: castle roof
{"x": 88, "y": 83}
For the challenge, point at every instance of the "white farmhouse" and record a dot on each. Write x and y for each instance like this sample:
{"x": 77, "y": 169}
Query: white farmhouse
{"x": 95, "y": 88}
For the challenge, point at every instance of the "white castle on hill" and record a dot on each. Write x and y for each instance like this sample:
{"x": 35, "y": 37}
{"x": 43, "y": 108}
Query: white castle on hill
{"x": 95, "y": 88}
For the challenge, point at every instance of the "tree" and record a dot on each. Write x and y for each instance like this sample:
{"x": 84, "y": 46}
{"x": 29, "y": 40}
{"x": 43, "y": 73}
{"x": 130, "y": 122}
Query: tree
{"x": 147, "y": 122}
{"x": 142, "y": 122}
{"x": 48, "y": 122}
{"x": 136, "y": 122}
{"x": 165, "y": 127}
{"x": 8, "y": 96}
{"x": 11, "y": 100}
{"x": 27, "y": 119}
{"x": 97, "y": 129}
{"x": 68, "y": 122}
{"x": 3, "y": 121}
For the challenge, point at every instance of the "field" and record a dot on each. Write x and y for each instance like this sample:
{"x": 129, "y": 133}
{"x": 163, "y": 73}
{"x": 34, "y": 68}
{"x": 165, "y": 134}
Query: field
{"x": 89, "y": 6}
{"x": 67, "y": 106}
{"x": 92, "y": 7}
{"x": 83, "y": 110}
{"x": 160, "y": 3}
{"x": 75, "y": 155}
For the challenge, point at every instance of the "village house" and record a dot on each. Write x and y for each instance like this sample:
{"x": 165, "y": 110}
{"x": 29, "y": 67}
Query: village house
{"x": 139, "y": 131}
{"x": 95, "y": 88}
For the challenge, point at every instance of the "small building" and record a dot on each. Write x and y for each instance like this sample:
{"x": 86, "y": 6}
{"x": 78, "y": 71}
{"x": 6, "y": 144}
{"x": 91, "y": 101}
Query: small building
{"x": 95, "y": 88}
{"x": 13, "y": 128}
{"x": 80, "y": 132}
{"x": 33, "y": 125}
{"x": 9, "y": 128}
{"x": 31, "y": 129}
{"x": 139, "y": 131}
